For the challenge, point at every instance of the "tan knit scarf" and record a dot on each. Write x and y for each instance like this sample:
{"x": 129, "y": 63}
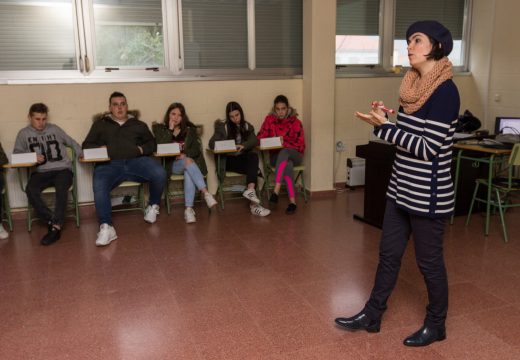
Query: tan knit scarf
{"x": 415, "y": 90}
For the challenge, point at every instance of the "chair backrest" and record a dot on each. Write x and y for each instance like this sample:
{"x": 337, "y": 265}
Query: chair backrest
{"x": 514, "y": 158}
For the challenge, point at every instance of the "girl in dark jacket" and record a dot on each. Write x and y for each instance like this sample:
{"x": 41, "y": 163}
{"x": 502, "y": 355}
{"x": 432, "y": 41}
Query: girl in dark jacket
{"x": 177, "y": 128}
{"x": 245, "y": 160}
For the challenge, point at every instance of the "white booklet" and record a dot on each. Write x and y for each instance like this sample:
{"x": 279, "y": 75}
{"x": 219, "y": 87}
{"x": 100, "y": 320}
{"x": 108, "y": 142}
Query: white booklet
{"x": 224, "y": 145}
{"x": 271, "y": 143}
{"x": 23, "y": 158}
{"x": 168, "y": 149}
{"x": 95, "y": 154}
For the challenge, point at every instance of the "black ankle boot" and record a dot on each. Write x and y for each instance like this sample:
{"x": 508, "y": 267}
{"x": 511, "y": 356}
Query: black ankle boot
{"x": 51, "y": 237}
{"x": 360, "y": 321}
{"x": 291, "y": 209}
{"x": 425, "y": 336}
{"x": 273, "y": 199}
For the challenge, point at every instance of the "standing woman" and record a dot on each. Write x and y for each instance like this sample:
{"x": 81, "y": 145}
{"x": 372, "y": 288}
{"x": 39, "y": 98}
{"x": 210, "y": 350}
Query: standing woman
{"x": 245, "y": 160}
{"x": 177, "y": 128}
{"x": 283, "y": 122}
{"x": 420, "y": 192}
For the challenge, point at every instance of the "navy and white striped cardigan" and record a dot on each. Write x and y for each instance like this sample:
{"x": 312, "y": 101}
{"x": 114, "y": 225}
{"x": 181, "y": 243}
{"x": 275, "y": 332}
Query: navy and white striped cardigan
{"x": 421, "y": 174}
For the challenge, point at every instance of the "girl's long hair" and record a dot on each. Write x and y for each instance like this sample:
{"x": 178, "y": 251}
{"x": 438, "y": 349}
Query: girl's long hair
{"x": 185, "y": 122}
{"x": 232, "y": 127}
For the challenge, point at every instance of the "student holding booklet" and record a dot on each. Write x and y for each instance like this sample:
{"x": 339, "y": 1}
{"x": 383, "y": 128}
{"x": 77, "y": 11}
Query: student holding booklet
{"x": 129, "y": 144}
{"x": 244, "y": 160}
{"x": 53, "y": 167}
{"x": 177, "y": 128}
{"x": 283, "y": 122}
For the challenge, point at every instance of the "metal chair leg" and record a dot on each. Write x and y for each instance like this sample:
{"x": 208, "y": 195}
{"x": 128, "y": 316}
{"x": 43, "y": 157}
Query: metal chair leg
{"x": 501, "y": 211}
{"x": 472, "y": 202}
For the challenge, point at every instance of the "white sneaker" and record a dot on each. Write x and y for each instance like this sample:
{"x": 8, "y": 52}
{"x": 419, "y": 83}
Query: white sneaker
{"x": 189, "y": 215}
{"x": 250, "y": 194}
{"x": 210, "y": 200}
{"x": 106, "y": 235}
{"x": 3, "y": 233}
{"x": 150, "y": 213}
{"x": 259, "y": 210}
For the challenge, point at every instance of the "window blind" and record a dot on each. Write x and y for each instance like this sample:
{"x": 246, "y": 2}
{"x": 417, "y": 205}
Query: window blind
{"x": 215, "y": 34}
{"x": 357, "y": 17}
{"x": 37, "y": 35}
{"x": 278, "y": 29}
{"x": 450, "y": 13}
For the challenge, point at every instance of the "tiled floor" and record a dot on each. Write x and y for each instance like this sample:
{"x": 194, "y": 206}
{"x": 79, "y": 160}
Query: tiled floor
{"x": 234, "y": 286}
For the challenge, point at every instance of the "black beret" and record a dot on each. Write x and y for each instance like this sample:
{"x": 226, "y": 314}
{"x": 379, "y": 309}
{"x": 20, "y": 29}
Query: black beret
{"x": 435, "y": 30}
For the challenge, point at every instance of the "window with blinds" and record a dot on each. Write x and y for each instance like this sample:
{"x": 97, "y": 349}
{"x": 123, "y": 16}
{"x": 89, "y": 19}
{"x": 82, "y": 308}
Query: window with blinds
{"x": 278, "y": 30}
{"x": 450, "y": 13}
{"x": 372, "y": 32}
{"x": 357, "y": 32}
{"x": 101, "y": 39}
{"x": 37, "y": 35}
{"x": 215, "y": 34}
{"x": 128, "y": 33}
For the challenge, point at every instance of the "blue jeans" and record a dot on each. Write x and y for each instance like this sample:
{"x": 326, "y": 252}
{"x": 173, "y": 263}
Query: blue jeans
{"x": 193, "y": 179}
{"x": 109, "y": 175}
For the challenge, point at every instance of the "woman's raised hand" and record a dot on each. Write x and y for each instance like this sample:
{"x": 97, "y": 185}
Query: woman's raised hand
{"x": 376, "y": 116}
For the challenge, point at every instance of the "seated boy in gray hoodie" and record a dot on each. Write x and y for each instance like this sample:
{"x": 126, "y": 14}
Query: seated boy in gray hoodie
{"x": 54, "y": 167}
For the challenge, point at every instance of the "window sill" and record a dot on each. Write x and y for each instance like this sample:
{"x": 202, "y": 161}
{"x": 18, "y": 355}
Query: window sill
{"x": 121, "y": 78}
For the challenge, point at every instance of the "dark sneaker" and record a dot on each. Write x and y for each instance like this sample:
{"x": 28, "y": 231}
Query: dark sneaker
{"x": 273, "y": 199}
{"x": 291, "y": 209}
{"x": 51, "y": 237}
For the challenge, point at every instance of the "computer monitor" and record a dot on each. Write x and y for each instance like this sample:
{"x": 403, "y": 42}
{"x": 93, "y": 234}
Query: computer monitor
{"x": 507, "y": 125}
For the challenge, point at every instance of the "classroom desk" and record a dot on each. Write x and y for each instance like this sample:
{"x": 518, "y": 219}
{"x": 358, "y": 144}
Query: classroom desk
{"x": 20, "y": 168}
{"x": 492, "y": 157}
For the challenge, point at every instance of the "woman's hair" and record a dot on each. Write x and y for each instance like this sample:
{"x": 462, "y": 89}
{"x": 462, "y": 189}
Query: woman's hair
{"x": 185, "y": 122}
{"x": 437, "y": 52}
{"x": 281, "y": 99}
{"x": 233, "y": 128}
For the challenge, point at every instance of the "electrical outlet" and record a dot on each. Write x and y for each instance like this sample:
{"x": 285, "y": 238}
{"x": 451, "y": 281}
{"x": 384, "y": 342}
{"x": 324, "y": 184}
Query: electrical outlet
{"x": 340, "y": 146}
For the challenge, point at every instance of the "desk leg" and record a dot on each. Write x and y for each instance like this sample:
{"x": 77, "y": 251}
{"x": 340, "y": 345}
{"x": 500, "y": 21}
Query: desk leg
{"x": 220, "y": 179}
{"x": 488, "y": 203}
{"x": 456, "y": 184}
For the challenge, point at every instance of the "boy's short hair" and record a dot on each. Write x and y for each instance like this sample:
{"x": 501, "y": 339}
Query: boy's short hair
{"x": 38, "y": 108}
{"x": 114, "y": 95}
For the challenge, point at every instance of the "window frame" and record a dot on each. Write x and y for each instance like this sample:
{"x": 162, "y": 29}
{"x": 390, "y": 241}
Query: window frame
{"x": 386, "y": 45}
{"x": 173, "y": 68}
